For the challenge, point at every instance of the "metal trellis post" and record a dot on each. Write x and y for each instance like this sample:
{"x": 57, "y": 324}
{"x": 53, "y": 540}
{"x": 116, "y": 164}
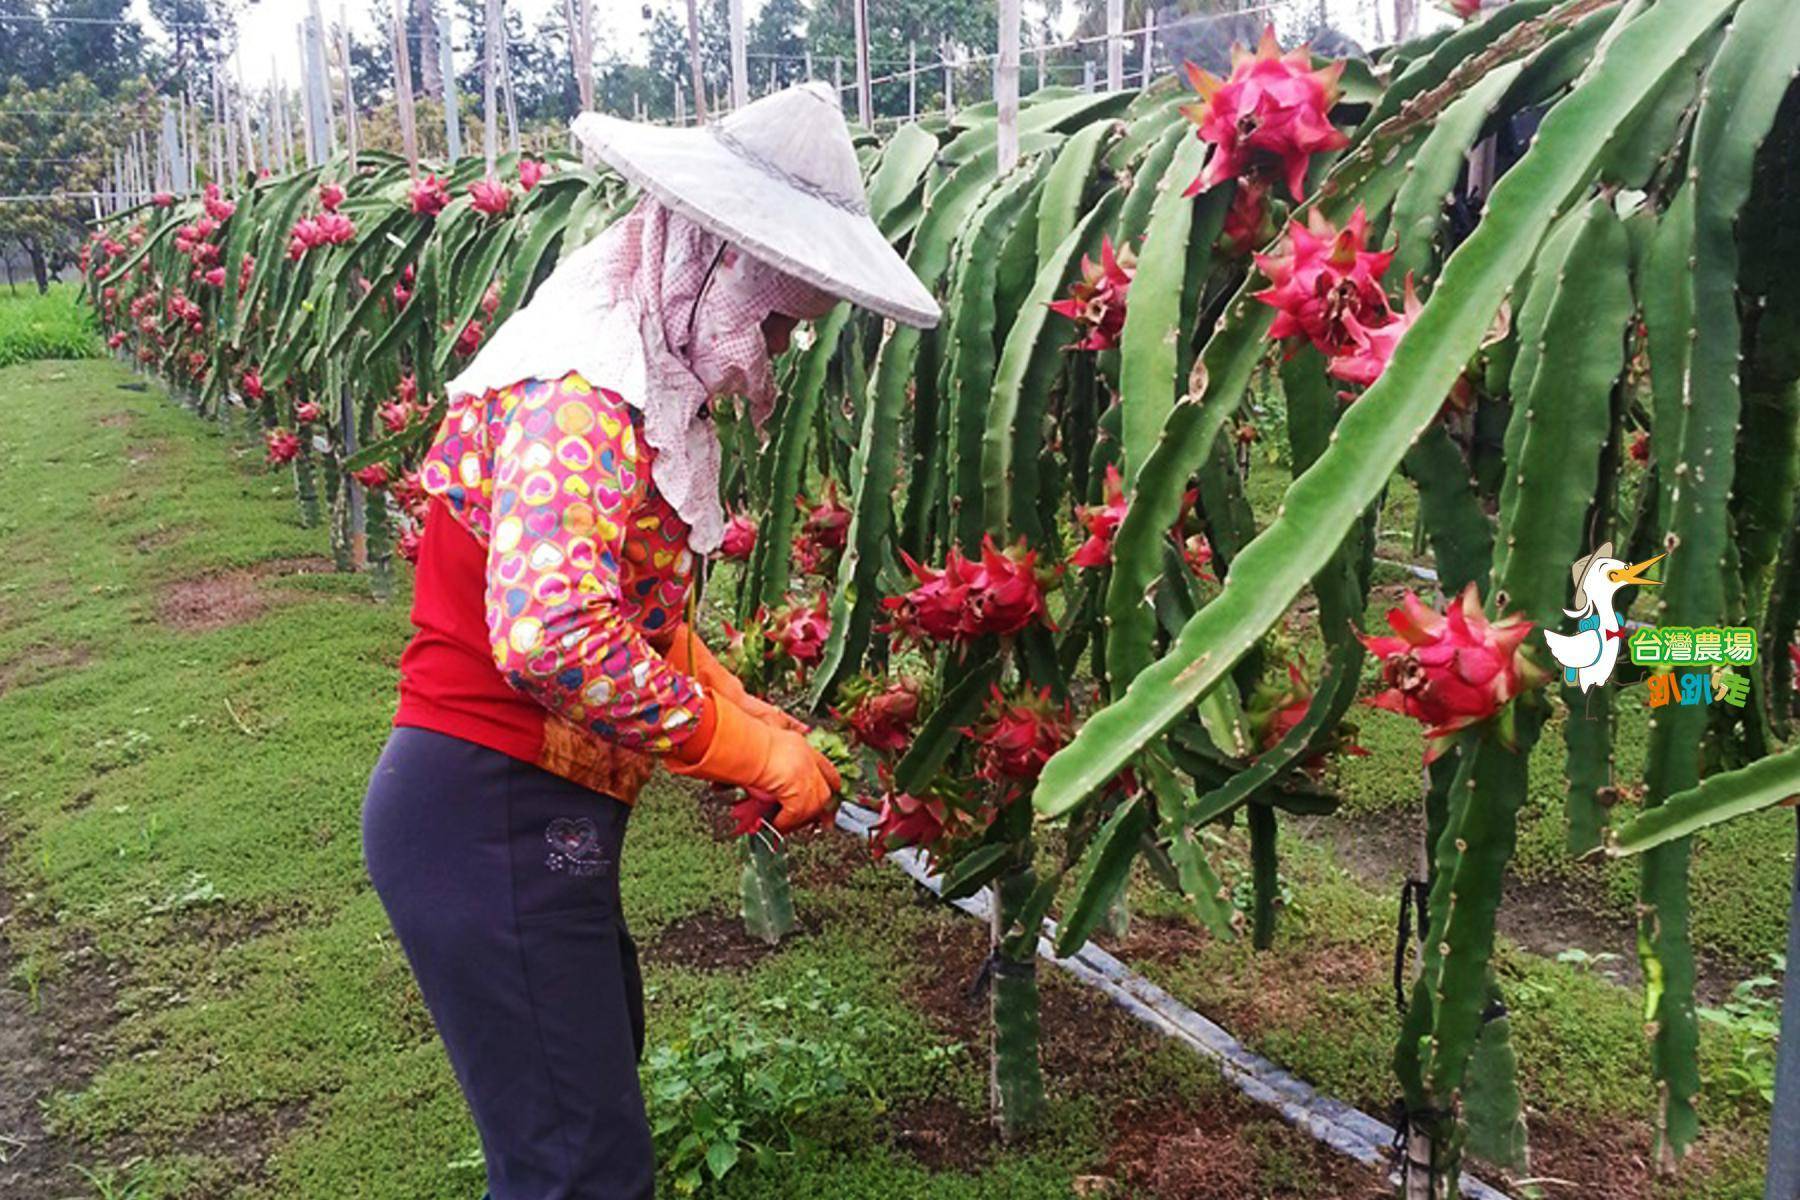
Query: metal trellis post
{"x": 740, "y": 69}
{"x": 1115, "y": 45}
{"x": 912, "y": 81}
{"x": 693, "y": 14}
{"x": 865, "y": 104}
{"x": 403, "y": 89}
{"x": 490, "y": 72}
{"x": 949, "y": 82}
{"x": 452, "y": 94}
{"x": 350, "y": 131}
{"x": 1006, "y": 79}
{"x": 1149, "y": 45}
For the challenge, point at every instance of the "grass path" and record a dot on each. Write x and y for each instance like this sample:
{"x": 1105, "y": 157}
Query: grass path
{"x": 205, "y": 997}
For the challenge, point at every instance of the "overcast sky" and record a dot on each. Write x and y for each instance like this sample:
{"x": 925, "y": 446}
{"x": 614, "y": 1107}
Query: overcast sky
{"x": 269, "y": 41}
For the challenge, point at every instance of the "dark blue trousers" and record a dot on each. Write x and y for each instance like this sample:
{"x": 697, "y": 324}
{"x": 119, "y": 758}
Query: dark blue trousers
{"x": 502, "y": 883}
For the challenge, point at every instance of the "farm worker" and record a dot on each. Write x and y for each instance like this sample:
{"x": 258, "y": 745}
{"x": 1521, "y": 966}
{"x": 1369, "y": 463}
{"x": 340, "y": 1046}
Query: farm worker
{"x": 574, "y": 487}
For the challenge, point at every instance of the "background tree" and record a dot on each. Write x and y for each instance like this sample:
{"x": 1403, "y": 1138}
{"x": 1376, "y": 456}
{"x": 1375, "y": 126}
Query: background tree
{"x": 43, "y": 52}
{"x": 537, "y": 60}
{"x": 372, "y": 60}
{"x": 669, "y": 49}
{"x": 53, "y": 141}
{"x": 776, "y": 41}
{"x": 202, "y": 33}
{"x": 620, "y": 85}
{"x": 894, "y": 26}
{"x": 423, "y": 19}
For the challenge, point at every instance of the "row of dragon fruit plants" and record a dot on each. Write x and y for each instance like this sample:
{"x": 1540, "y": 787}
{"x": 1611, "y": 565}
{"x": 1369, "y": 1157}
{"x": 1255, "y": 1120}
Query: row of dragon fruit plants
{"x": 1014, "y": 556}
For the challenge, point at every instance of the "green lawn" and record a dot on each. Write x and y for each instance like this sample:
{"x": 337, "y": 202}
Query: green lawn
{"x": 181, "y": 769}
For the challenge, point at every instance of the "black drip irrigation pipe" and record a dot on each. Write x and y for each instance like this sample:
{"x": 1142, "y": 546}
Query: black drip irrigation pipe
{"x": 1347, "y": 1130}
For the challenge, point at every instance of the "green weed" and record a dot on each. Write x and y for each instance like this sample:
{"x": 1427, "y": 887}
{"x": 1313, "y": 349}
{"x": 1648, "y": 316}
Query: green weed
{"x": 1752, "y": 1016}
{"x": 128, "y": 1181}
{"x": 739, "y": 1090}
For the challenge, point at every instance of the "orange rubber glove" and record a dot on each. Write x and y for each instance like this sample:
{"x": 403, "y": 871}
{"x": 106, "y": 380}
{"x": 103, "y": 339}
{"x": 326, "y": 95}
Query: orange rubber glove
{"x": 732, "y": 748}
{"x": 689, "y": 655}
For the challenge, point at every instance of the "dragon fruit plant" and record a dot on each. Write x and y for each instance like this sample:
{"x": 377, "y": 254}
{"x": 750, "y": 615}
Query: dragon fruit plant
{"x": 765, "y": 890}
{"x": 1079, "y": 407}
{"x": 1601, "y": 349}
{"x": 1493, "y": 372}
{"x": 958, "y": 792}
{"x": 311, "y": 302}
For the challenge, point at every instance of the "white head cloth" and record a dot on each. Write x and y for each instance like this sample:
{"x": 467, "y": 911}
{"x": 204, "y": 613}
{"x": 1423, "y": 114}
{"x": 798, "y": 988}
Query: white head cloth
{"x": 627, "y": 312}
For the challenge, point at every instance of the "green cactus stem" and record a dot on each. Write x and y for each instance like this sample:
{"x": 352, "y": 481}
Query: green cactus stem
{"x": 378, "y": 542}
{"x": 306, "y": 490}
{"x": 974, "y": 352}
{"x": 1460, "y": 533}
{"x": 765, "y": 895}
{"x": 1745, "y": 85}
{"x": 768, "y": 582}
{"x": 1562, "y": 416}
{"x": 1419, "y": 207}
{"x": 1200, "y": 884}
{"x": 1444, "y": 1019}
{"x": 1012, "y": 432}
{"x": 1149, "y": 345}
{"x": 1716, "y": 799}
{"x": 1493, "y": 1110}
{"x": 1066, "y": 188}
{"x": 1016, "y": 1077}
{"x": 1105, "y": 872}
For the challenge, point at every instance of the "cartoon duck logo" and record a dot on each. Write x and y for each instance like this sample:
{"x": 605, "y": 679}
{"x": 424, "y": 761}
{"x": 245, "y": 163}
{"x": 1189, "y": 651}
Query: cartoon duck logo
{"x": 1589, "y": 655}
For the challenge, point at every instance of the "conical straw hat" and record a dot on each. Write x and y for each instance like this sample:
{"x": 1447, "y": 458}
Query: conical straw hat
{"x": 778, "y": 178}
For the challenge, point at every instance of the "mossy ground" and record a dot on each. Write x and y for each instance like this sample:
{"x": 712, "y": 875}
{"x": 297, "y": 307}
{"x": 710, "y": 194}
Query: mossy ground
{"x": 179, "y": 818}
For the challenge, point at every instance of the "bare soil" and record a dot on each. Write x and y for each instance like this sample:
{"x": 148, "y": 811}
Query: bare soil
{"x": 819, "y": 859}
{"x": 942, "y": 1135}
{"x": 1211, "y": 1149}
{"x": 224, "y": 925}
{"x": 1545, "y": 916}
{"x": 35, "y": 664}
{"x": 55, "y": 1042}
{"x": 1222, "y": 1151}
{"x": 49, "y": 1043}
{"x": 150, "y": 543}
{"x": 1084, "y": 1038}
{"x": 246, "y": 1136}
{"x": 716, "y": 811}
{"x": 220, "y": 599}
{"x": 1609, "y": 1162}
{"x": 713, "y": 941}
{"x": 826, "y": 860}
{"x": 1156, "y": 939}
